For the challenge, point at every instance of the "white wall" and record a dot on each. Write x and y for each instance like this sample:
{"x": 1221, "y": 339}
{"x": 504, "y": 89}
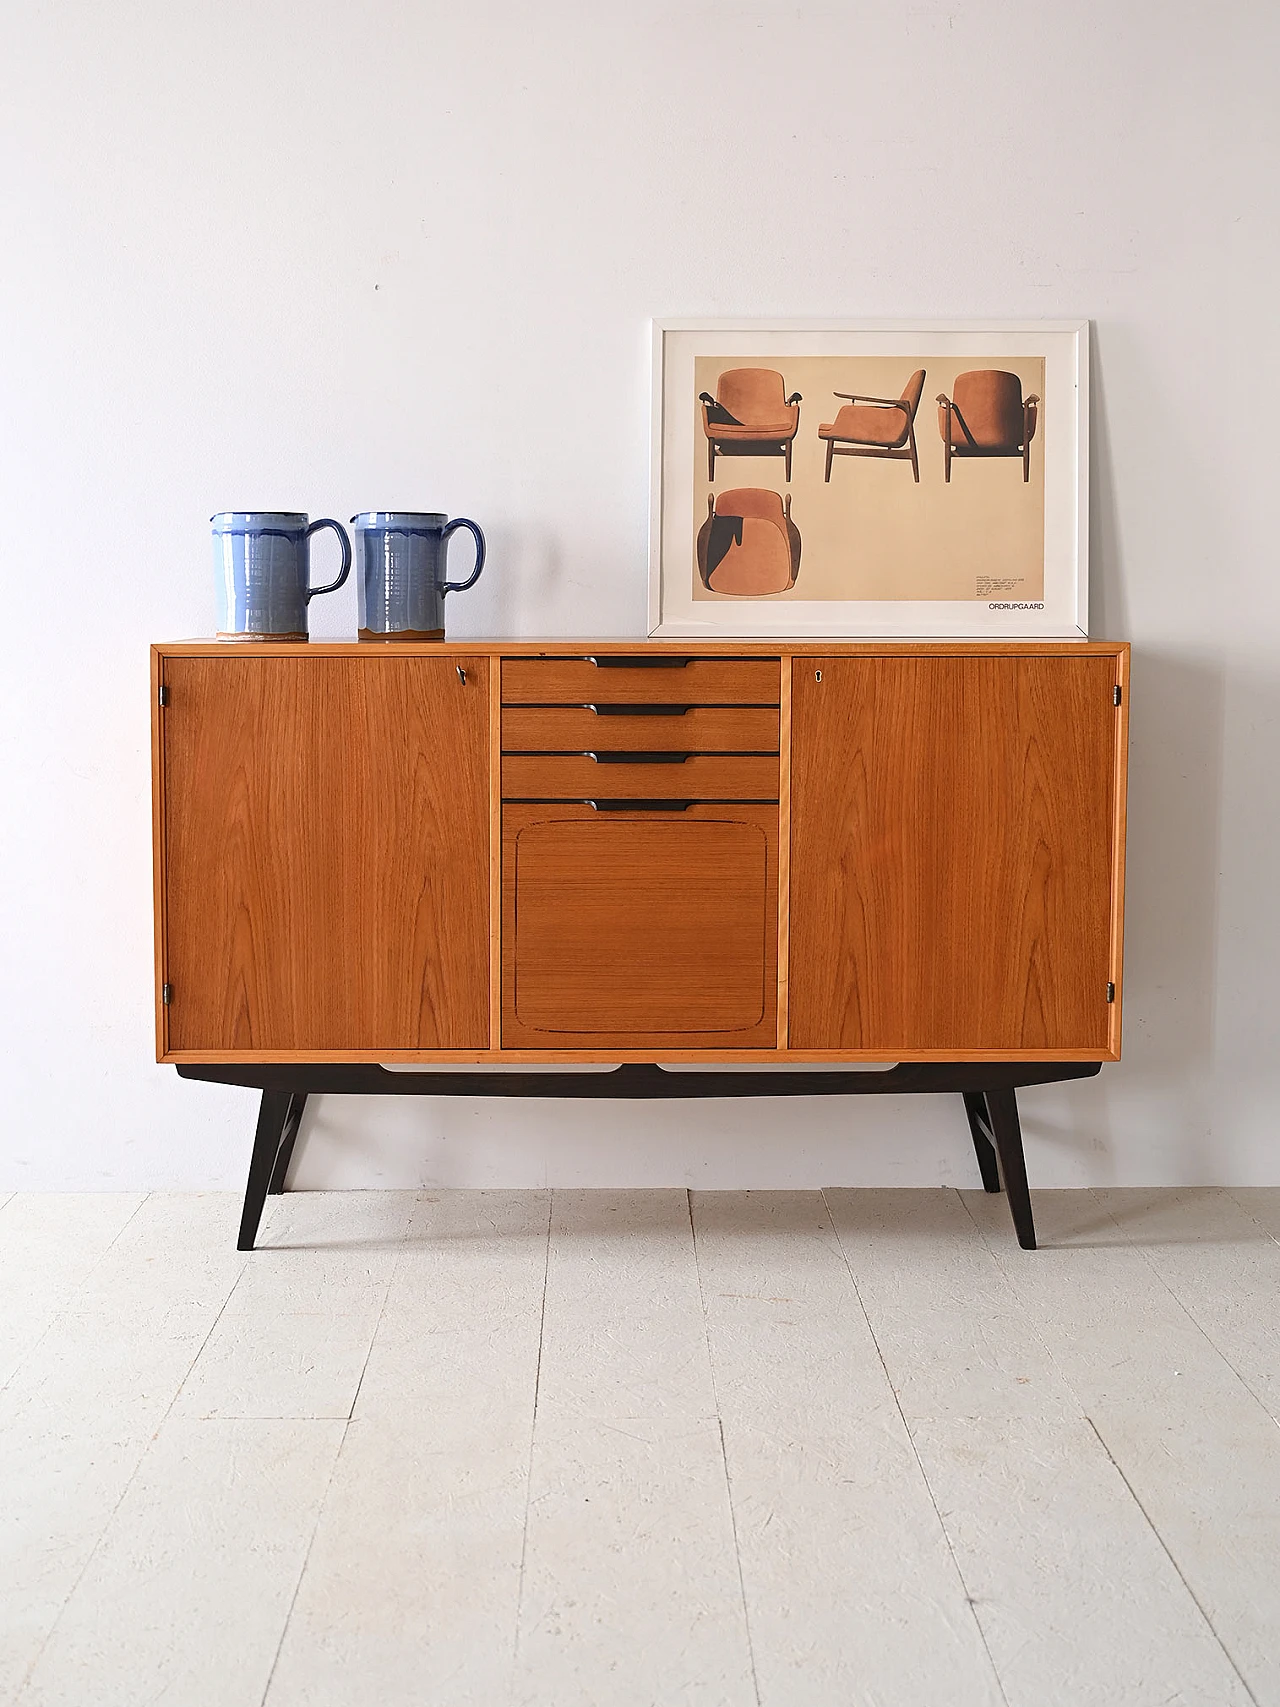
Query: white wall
{"x": 330, "y": 256}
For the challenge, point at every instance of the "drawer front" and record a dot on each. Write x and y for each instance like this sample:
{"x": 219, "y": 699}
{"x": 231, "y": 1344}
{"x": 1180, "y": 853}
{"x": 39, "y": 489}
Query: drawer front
{"x": 658, "y": 680}
{"x": 634, "y": 931}
{"x": 614, "y": 776}
{"x": 627, "y": 728}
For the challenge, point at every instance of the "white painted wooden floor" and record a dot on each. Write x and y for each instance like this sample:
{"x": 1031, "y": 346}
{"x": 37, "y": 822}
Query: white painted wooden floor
{"x": 636, "y": 1448}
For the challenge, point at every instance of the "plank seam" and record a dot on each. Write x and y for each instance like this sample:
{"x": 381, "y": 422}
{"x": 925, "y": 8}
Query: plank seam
{"x": 1195, "y": 1598}
{"x": 533, "y": 1430}
{"x": 724, "y": 1456}
{"x": 970, "y": 1600}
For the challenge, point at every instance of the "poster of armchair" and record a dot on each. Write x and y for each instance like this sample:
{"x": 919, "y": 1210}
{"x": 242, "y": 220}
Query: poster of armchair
{"x": 998, "y": 551}
{"x": 987, "y": 417}
{"x": 876, "y": 426}
{"x": 748, "y": 546}
{"x": 750, "y": 415}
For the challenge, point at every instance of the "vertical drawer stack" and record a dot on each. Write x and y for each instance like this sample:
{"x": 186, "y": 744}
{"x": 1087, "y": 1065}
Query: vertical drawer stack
{"x": 639, "y": 852}
{"x": 622, "y": 732}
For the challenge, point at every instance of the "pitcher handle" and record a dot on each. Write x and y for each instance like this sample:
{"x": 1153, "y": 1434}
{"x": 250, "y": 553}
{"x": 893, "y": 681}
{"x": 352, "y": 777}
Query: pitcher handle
{"x": 478, "y": 536}
{"x": 328, "y": 522}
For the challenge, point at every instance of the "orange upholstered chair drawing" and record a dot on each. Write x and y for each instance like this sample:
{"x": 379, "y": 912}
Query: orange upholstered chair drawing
{"x": 748, "y": 544}
{"x": 986, "y": 416}
{"x": 750, "y": 415}
{"x": 876, "y": 426}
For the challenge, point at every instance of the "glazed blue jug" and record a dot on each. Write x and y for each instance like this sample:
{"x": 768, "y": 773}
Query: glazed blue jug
{"x": 262, "y": 568}
{"x": 400, "y": 572}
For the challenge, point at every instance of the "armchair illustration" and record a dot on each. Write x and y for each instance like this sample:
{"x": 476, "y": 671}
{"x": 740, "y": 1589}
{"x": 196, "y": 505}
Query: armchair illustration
{"x": 986, "y": 416}
{"x": 876, "y": 426}
{"x": 748, "y": 545}
{"x": 750, "y": 415}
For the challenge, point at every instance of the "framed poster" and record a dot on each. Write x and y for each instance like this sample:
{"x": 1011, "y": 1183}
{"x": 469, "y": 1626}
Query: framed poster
{"x": 818, "y": 478}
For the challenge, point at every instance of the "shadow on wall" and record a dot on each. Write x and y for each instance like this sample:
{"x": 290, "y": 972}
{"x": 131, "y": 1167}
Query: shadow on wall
{"x": 349, "y": 1142}
{"x": 1162, "y": 1115}
{"x": 1175, "y": 810}
{"x": 1171, "y": 924}
{"x": 1155, "y": 1109}
{"x": 1152, "y": 1113}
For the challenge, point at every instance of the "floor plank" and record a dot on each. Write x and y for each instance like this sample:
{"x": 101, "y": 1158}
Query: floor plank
{"x": 186, "y": 1596}
{"x": 575, "y": 1492}
{"x": 76, "y": 1419}
{"x": 297, "y": 1330}
{"x": 411, "y": 1587}
{"x": 1048, "y": 1537}
{"x": 851, "y": 1590}
{"x": 1196, "y": 1448}
{"x": 49, "y": 1244}
{"x": 1051, "y": 1546}
{"x": 630, "y": 1592}
{"x": 60, "y": 1481}
{"x": 1221, "y": 1266}
{"x": 1262, "y": 1203}
{"x": 955, "y": 1339}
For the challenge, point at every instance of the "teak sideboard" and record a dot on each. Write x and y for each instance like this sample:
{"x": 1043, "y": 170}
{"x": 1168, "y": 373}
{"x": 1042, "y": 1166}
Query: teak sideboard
{"x": 496, "y": 856}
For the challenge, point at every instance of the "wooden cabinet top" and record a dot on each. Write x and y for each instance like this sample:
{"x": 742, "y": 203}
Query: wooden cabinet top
{"x": 690, "y": 646}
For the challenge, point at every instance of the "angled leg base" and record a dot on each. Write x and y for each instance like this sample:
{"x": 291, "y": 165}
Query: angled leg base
{"x": 1007, "y": 1132}
{"x": 984, "y": 1144}
{"x": 989, "y": 1089}
{"x": 292, "y": 1121}
{"x": 268, "y": 1141}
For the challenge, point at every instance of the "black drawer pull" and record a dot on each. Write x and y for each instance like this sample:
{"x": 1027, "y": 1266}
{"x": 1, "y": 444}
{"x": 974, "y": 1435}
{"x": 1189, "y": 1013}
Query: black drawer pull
{"x": 638, "y": 758}
{"x": 639, "y": 710}
{"x": 640, "y": 805}
{"x": 646, "y": 663}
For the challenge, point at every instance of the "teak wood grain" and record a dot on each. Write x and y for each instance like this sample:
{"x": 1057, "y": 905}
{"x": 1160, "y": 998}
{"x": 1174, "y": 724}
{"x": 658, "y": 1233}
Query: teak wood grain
{"x": 701, "y": 681}
{"x": 700, "y": 776}
{"x": 784, "y": 857}
{"x": 495, "y": 854}
{"x": 580, "y": 729}
{"x": 159, "y": 853}
{"x": 326, "y": 826}
{"x": 634, "y": 930}
{"x": 1120, "y": 820}
{"x": 290, "y": 977}
{"x": 952, "y": 853}
{"x": 699, "y": 647}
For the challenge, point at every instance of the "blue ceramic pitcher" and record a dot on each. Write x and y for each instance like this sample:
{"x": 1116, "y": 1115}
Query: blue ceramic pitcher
{"x": 400, "y": 572}
{"x": 262, "y": 566}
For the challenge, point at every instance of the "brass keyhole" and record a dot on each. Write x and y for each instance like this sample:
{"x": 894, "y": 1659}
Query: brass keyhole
{"x": 817, "y": 675}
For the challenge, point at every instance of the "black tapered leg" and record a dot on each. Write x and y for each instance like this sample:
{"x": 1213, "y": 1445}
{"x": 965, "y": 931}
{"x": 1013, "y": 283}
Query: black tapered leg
{"x": 1007, "y": 1132}
{"x": 292, "y": 1121}
{"x": 975, "y": 1106}
{"x": 272, "y": 1116}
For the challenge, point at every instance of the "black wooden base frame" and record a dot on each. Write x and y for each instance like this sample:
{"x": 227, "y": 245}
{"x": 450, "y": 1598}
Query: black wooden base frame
{"x": 989, "y": 1088}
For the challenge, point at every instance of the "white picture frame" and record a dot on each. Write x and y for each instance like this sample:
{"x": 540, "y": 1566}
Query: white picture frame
{"x": 683, "y": 604}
